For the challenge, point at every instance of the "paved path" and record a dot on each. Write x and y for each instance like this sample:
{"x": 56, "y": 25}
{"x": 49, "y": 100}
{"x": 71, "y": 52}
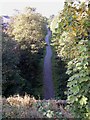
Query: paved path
{"x": 48, "y": 83}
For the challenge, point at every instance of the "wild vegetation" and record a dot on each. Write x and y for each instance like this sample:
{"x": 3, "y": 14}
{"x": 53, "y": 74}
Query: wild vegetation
{"x": 22, "y": 55}
{"x": 23, "y": 52}
{"x": 28, "y": 107}
{"x": 71, "y": 42}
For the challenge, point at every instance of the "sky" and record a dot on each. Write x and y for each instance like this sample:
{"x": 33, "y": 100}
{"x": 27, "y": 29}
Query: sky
{"x": 45, "y": 7}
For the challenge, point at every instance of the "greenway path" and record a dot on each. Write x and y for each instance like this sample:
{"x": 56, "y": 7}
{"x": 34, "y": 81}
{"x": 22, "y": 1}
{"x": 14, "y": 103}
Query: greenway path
{"x": 48, "y": 82}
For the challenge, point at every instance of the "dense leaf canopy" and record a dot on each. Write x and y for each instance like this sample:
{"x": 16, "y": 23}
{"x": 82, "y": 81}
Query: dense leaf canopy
{"x": 23, "y": 48}
{"x": 72, "y": 44}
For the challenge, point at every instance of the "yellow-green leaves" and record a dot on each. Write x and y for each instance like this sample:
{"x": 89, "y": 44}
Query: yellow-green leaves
{"x": 74, "y": 47}
{"x": 29, "y": 27}
{"x": 83, "y": 100}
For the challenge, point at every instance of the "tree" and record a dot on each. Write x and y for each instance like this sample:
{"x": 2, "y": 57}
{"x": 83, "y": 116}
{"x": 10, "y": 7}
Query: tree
{"x": 28, "y": 30}
{"x": 73, "y": 46}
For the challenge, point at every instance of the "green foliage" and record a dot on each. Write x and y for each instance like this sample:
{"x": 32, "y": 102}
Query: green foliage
{"x": 59, "y": 76}
{"x": 79, "y": 81}
{"x": 49, "y": 109}
{"x": 23, "y": 52}
{"x": 29, "y": 26}
{"x": 72, "y": 44}
{"x": 10, "y": 72}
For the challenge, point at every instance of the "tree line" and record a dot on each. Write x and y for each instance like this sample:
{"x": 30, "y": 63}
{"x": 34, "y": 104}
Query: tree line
{"x": 22, "y": 54}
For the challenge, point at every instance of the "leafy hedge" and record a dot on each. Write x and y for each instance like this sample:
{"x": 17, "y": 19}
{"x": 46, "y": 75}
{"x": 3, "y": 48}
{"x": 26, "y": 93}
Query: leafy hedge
{"x": 72, "y": 44}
